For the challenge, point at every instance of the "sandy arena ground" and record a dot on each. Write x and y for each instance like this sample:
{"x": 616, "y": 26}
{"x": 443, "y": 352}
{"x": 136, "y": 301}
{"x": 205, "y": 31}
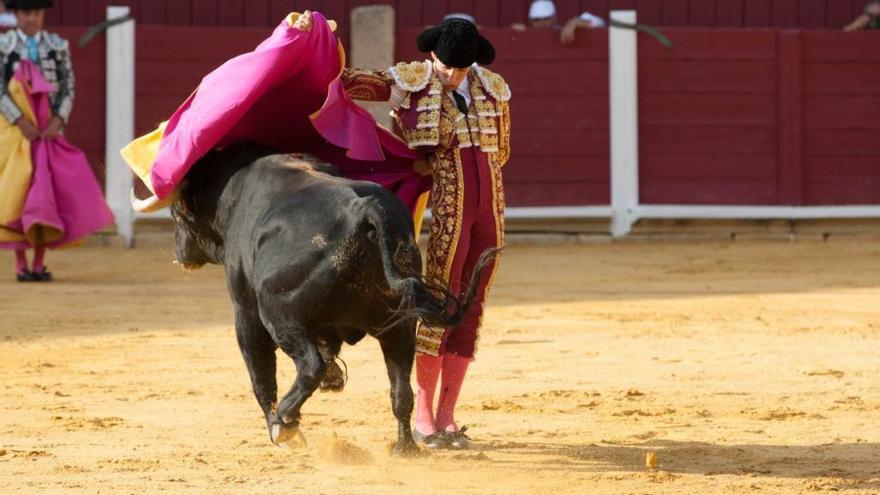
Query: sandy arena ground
{"x": 747, "y": 367}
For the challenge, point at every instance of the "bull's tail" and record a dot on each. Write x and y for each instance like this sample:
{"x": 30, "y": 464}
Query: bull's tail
{"x": 430, "y": 301}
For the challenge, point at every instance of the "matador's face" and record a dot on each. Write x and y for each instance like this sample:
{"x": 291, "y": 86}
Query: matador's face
{"x": 451, "y": 77}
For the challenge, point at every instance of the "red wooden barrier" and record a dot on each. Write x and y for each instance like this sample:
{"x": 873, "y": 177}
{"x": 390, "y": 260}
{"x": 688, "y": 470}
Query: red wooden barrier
{"x": 808, "y": 14}
{"x": 841, "y": 118}
{"x": 708, "y": 127}
{"x": 727, "y": 117}
{"x": 87, "y": 122}
{"x": 760, "y": 118}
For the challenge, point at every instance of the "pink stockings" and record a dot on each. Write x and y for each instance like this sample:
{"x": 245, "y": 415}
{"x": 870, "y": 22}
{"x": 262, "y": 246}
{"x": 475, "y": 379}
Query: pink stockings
{"x": 428, "y": 371}
{"x": 21, "y": 259}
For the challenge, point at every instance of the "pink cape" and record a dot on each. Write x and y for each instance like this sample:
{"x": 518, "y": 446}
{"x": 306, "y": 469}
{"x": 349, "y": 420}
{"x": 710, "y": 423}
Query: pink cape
{"x": 64, "y": 199}
{"x": 286, "y": 94}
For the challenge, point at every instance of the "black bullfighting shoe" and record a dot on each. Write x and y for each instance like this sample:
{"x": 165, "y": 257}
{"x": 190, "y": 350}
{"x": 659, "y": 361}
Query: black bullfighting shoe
{"x": 457, "y": 440}
{"x": 25, "y": 276}
{"x": 431, "y": 442}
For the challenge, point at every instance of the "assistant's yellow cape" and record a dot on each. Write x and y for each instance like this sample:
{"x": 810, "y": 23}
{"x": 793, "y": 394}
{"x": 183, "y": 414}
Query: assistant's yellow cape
{"x": 16, "y": 166}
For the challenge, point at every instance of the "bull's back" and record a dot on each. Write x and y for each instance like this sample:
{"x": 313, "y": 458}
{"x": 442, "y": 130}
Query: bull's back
{"x": 286, "y": 221}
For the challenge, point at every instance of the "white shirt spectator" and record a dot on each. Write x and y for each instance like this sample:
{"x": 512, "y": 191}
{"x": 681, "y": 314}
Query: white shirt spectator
{"x": 7, "y": 20}
{"x": 595, "y": 20}
{"x": 542, "y": 9}
{"x": 459, "y": 15}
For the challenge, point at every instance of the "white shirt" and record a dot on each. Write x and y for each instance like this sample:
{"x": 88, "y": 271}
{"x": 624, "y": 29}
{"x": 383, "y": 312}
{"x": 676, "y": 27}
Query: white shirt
{"x": 595, "y": 20}
{"x": 23, "y": 37}
{"x": 464, "y": 90}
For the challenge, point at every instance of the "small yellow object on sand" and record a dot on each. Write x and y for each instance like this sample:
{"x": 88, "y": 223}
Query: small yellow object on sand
{"x": 651, "y": 460}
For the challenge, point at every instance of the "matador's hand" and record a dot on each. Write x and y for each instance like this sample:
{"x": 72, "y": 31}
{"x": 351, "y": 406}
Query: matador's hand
{"x": 422, "y": 167}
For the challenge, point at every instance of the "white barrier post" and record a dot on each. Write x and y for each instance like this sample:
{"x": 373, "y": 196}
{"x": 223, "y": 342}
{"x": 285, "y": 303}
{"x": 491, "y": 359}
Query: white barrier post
{"x": 624, "y": 96}
{"x": 120, "y": 120}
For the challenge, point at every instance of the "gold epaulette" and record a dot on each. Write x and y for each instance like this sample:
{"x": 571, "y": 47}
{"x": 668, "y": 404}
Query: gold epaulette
{"x": 493, "y": 83}
{"x": 412, "y": 76}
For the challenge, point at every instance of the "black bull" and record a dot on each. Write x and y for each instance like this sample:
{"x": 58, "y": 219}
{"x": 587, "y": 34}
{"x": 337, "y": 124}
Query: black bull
{"x": 312, "y": 260}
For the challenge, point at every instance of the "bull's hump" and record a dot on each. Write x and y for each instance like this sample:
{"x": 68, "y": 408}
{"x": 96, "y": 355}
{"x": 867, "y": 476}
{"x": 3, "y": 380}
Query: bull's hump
{"x": 303, "y": 160}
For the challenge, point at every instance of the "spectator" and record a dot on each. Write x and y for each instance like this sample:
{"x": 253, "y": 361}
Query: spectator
{"x": 870, "y": 20}
{"x": 584, "y": 21}
{"x": 7, "y": 19}
{"x": 459, "y": 15}
{"x": 542, "y": 14}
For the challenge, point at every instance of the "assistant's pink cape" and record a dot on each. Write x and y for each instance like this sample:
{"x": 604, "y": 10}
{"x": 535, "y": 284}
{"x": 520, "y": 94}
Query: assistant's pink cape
{"x": 64, "y": 202}
{"x": 287, "y": 94}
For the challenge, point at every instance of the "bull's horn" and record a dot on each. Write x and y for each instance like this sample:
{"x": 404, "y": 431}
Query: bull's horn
{"x": 153, "y": 203}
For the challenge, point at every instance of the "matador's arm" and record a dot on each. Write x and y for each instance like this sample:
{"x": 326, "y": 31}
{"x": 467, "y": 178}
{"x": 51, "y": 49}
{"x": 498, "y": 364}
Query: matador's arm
{"x": 367, "y": 85}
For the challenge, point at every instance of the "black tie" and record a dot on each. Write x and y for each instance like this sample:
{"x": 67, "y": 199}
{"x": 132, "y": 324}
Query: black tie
{"x": 460, "y": 103}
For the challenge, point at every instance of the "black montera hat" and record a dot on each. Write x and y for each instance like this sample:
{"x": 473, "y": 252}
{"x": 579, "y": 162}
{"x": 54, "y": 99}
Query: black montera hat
{"x": 28, "y": 4}
{"x": 457, "y": 43}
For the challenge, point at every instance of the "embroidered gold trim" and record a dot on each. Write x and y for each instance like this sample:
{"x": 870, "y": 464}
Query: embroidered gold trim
{"x": 428, "y": 120}
{"x": 412, "y": 76}
{"x": 367, "y": 85}
{"x": 448, "y": 200}
{"x": 487, "y": 124}
{"x": 428, "y": 339}
{"x": 493, "y": 83}
{"x": 429, "y": 103}
{"x": 504, "y": 134}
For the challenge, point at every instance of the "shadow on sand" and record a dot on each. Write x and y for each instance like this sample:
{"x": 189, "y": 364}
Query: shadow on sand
{"x": 848, "y": 465}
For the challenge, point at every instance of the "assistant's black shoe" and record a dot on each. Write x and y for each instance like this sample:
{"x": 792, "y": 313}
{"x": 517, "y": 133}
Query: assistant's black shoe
{"x": 25, "y": 276}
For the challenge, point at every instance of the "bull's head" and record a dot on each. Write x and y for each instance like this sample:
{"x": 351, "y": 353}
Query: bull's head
{"x": 191, "y": 243}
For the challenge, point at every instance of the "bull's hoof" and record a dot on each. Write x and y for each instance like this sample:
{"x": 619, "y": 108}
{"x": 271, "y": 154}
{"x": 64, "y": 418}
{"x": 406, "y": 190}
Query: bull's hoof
{"x": 334, "y": 378}
{"x": 407, "y": 449}
{"x": 287, "y": 435}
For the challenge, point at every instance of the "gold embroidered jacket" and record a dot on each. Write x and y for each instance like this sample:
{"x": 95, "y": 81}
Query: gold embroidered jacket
{"x": 421, "y": 116}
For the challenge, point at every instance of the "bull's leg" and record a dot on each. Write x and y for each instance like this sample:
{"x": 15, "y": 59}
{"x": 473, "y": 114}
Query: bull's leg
{"x": 310, "y": 369}
{"x": 398, "y": 348}
{"x": 334, "y": 377}
{"x": 258, "y": 351}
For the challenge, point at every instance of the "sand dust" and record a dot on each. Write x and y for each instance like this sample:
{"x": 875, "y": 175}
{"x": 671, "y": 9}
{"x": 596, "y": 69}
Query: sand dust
{"x": 745, "y": 367}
